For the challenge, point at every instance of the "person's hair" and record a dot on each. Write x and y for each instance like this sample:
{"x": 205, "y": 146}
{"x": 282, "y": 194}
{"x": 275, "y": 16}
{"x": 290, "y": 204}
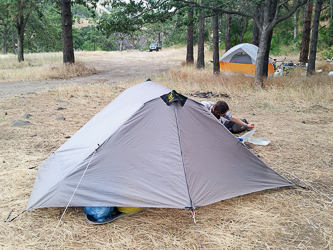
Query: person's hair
{"x": 220, "y": 108}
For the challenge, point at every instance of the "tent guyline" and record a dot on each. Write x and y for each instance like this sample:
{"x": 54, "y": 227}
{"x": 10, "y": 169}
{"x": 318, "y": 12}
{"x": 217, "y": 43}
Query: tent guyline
{"x": 196, "y": 227}
{"x": 10, "y": 220}
{"x": 92, "y": 156}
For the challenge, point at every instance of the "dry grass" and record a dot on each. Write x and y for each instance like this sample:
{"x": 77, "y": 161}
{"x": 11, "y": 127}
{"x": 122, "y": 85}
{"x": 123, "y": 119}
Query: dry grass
{"x": 294, "y": 113}
{"x": 42, "y": 66}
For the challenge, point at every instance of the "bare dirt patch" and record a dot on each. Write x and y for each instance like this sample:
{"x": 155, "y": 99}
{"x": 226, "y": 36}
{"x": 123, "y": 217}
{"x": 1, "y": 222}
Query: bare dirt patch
{"x": 109, "y": 67}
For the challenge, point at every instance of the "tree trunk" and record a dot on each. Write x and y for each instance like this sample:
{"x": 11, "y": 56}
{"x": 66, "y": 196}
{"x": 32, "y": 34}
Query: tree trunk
{"x": 121, "y": 45}
{"x": 266, "y": 60}
{"x": 4, "y": 47}
{"x": 295, "y": 26}
{"x": 13, "y": 42}
{"x": 256, "y": 31}
{"x": 304, "y": 53}
{"x": 3, "y": 41}
{"x": 20, "y": 25}
{"x": 268, "y": 13}
{"x": 243, "y": 24}
{"x": 67, "y": 35}
{"x": 261, "y": 55}
{"x": 241, "y": 34}
{"x": 4, "y": 38}
{"x": 201, "y": 41}
{"x": 255, "y": 35}
{"x": 269, "y": 37}
{"x": 159, "y": 38}
{"x": 314, "y": 38}
{"x": 189, "y": 51}
{"x": 20, "y": 39}
{"x": 227, "y": 33}
{"x": 216, "y": 56}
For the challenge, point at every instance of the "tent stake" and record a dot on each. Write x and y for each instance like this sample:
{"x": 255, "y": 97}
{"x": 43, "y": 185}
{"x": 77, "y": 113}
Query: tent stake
{"x": 195, "y": 223}
{"x": 7, "y": 219}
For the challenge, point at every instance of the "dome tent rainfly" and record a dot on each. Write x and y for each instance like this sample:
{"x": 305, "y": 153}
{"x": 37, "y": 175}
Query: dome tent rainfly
{"x": 241, "y": 59}
{"x": 151, "y": 147}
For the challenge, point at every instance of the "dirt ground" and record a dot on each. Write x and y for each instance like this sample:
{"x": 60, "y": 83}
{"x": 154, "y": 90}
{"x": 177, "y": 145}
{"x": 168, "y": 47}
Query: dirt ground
{"x": 112, "y": 67}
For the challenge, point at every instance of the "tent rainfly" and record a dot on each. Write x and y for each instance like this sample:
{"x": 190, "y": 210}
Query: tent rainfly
{"x": 151, "y": 147}
{"x": 241, "y": 59}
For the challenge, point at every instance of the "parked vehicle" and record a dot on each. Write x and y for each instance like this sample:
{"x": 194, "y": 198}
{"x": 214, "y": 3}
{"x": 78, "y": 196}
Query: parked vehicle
{"x": 155, "y": 46}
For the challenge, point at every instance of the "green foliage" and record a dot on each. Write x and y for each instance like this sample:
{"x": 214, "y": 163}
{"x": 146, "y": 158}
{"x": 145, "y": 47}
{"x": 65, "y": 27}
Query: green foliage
{"x": 282, "y": 36}
{"x": 82, "y": 11}
{"x": 146, "y": 19}
{"x": 325, "y": 40}
{"x": 91, "y": 39}
{"x": 43, "y": 30}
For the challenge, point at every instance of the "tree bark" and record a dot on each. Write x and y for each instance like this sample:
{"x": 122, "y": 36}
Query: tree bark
{"x": 266, "y": 60}
{"x": 266, "y": 33}
{"x": 260, "y": 68}
{"x": 20, "y": 39}
{"x": 216, "y": 56}
{"x": 269, "y": 37}
{"x": 67, "y": 33}
{"x": 189, "y": 51}
{"x": 201, "y": 41}
{"x": 243, "y": 24}
{"x": 304, "y": 53}
{"x": 295, "y": 26}
{"x": 4, "y": 41}
{"x": 121, "y": 44}
{"x": 13, "y": 42}
{"x": 4, "y": 47}
{"x": 20, "y": 27}
{"x": 159, "y": 38}
{"x": 314, "y": 38}
{"x": 256, "y": 31}
{"x": 255, "y": 35}
{"x": 227, "y": 33}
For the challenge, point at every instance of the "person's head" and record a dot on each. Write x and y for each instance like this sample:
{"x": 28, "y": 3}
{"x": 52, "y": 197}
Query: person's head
{"x": 220, "y": 108}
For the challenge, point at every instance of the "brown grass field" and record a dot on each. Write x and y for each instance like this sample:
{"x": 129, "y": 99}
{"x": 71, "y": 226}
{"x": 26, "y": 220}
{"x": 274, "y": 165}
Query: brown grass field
{"x": 294, "y": 112}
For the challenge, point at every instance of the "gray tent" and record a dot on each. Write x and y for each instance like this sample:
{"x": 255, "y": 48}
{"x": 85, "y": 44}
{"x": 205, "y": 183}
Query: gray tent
{"x": 145, "y": 151}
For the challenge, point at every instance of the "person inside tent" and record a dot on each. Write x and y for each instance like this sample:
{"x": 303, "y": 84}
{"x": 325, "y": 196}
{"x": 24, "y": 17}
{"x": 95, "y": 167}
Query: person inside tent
{"x": 101, "y": 215}
{"x": 220, "y": 110}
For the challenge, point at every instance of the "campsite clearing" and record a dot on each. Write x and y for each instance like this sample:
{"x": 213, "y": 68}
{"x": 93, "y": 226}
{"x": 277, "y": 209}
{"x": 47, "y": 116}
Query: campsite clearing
{"x": 295, "y": 114}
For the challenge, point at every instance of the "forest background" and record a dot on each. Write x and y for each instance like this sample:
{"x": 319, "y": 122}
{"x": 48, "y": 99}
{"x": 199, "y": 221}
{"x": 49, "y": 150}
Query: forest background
{"x": 43, "y": 32}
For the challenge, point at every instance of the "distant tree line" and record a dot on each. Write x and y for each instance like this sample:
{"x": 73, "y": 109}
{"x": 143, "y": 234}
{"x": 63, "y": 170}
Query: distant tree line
{"x": 45, "y": 26}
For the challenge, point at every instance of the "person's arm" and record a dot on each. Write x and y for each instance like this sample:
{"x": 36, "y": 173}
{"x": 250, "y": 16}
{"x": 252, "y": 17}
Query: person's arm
{"x": 240, "y": 122}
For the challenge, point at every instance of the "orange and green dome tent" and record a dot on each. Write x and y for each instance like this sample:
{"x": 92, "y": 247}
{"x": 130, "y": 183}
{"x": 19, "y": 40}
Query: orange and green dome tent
{"x": 241, "y": 59}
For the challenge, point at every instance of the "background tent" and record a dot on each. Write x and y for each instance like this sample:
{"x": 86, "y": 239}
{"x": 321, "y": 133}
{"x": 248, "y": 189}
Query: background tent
{"x": 242, "y": 59}
{"x": 145, "y": 151}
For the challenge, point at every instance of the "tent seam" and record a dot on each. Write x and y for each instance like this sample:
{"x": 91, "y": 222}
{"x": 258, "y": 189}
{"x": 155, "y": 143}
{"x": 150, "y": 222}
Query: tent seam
{"x": 181, "y": 152}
